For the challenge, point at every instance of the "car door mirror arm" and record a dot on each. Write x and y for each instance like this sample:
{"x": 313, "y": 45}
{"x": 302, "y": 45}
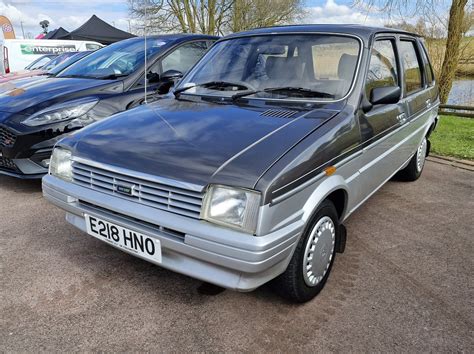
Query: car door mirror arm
{"x": 365, "y": 104}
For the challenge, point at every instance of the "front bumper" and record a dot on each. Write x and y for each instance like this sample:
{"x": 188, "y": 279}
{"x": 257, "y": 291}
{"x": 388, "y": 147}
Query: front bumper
{"x": 22, "y": 153}
{"x": 196, "y": 248}
{"x": 22, "y": 168}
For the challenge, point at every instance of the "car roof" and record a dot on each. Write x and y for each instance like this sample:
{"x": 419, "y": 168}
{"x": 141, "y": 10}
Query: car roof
{"x": 362, "y": 31}
{"x": 178, "y": 37}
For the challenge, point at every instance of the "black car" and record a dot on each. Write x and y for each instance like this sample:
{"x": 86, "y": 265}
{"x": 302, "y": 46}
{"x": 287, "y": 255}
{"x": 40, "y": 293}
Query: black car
{"x": 36, "y": 112}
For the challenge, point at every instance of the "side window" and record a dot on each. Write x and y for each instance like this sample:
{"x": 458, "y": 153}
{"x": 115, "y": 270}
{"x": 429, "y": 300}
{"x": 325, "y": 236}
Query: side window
{"x": 383, "y": 66}
{"x": 411, "y": 67}
{"x": 428, "y": 69}
{"x": 184, "y": 57}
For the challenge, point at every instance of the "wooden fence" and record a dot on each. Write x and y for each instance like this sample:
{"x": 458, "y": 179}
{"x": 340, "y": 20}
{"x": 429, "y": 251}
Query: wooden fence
{"x": 458, "y": 111}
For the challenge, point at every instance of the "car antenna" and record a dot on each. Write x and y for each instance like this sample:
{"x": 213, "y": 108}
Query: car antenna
{"x": 146, "y": 67}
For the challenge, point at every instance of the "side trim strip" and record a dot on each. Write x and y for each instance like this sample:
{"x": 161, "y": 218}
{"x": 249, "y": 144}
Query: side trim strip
{"x": 357, "y": 151}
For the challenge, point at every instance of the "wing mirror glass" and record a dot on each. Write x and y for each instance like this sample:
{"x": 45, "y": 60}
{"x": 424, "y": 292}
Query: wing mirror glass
{"x": 385, "y": 95}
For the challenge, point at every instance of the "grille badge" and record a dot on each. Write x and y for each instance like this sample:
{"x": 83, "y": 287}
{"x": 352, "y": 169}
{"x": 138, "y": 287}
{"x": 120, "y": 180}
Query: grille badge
{"x": 123, "y": 189}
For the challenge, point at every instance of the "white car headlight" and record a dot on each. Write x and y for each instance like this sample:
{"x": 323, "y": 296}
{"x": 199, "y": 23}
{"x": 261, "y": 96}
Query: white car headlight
{"x": 232, "y": 207}
{"x": 61, "y": 164}
{"x": 61, "y": 112}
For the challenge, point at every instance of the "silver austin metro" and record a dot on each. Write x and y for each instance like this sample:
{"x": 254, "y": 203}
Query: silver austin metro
{"x": 246, "y": 173}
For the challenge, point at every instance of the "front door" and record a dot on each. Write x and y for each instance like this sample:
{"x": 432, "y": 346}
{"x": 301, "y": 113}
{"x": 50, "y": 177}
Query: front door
{"x": 380, "y": 124}
{"x": 181, "y": 58}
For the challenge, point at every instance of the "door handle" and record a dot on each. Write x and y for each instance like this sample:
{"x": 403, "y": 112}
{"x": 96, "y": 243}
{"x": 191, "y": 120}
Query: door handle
{"x": 428, "y": 103}
{"x": 402, "y": 118}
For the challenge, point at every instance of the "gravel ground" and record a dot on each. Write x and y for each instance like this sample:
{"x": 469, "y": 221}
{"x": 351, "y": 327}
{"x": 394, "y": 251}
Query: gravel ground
{"x": 404, "y": 284}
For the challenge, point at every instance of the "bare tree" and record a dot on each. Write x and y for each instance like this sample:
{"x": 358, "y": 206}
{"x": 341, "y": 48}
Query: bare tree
{"x": 188, "y": 16}
{"x": 453, "y": 48}
{"x": 456, "y": 24}
{"x": 214, "y": 16}
{"x": 248, "y": 14}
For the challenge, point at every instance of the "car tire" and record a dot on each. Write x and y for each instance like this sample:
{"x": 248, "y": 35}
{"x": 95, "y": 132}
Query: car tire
{"x": 415, "y": 167}
{"x": 301, "y": 282}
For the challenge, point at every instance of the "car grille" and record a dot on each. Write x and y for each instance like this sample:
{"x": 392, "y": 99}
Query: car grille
{"x": 7, "y": 138}
{"x": 154, "y": 194}
{"x": 7, "y": 164}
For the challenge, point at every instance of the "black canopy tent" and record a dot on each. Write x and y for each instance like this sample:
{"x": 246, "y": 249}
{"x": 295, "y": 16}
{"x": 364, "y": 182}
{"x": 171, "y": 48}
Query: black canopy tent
{"x": 97, "y": 30}
{"x": 56, "y": 34}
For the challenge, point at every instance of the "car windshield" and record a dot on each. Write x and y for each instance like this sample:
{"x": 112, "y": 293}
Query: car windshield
{"x": 58, "y": 60}
{"x": 116, "y": 60}
{"x": 68, "y": 62}
{"x": 40, "y": 62}
{"x": 296, "y": 67}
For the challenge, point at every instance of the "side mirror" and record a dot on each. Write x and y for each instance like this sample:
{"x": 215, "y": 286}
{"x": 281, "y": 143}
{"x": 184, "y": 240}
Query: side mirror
{"x": 171, "y": 75}
{"x": 385, "y": 95}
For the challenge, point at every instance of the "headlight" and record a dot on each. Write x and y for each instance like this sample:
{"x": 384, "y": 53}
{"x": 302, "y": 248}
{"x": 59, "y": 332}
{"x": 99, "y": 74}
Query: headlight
{"x": 233, "y": 207}
{"x": 61, "y": 112}
{"x": 61, "y": 164}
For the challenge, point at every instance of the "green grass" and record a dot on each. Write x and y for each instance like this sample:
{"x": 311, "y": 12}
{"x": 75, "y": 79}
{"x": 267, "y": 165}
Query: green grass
{"x": 454, "y": 136}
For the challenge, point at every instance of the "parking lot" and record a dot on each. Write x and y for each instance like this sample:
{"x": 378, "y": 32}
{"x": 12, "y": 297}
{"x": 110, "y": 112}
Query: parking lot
{"x": 405, "y": 283}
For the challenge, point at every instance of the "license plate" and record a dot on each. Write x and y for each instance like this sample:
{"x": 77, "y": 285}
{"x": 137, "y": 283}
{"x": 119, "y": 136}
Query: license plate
{"x": 132, "y": 241}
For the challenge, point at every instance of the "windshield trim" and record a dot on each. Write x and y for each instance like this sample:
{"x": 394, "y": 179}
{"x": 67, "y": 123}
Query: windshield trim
{"x": 289, "y": 99}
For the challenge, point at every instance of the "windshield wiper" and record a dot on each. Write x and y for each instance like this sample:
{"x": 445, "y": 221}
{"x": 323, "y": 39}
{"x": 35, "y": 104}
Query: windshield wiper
{"x": 211, "y": 84}
{"x": 75, "y": 77}
{"x": 301, "y": 90}
{"x": 110, "y": 77}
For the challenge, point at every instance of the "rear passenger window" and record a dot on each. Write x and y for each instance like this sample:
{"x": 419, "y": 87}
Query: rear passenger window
{"x": 383, "y": 66}
{"x": 412, "y": 72}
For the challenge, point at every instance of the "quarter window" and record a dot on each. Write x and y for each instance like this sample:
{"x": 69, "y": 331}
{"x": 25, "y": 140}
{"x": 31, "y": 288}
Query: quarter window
{"x": 412, "y": 73}
{"x": 428, "y": 69}
{"x": 183, "y": 58}
{"x": 383, "y": 66}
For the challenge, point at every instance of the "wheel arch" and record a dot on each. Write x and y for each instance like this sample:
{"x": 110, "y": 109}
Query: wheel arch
{"x": 335, "y": 189}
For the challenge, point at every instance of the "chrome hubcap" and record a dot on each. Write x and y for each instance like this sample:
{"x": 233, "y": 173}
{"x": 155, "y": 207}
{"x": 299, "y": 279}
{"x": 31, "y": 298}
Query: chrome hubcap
{"x": 319, "y": 251}
{"x": 421, "y": 155}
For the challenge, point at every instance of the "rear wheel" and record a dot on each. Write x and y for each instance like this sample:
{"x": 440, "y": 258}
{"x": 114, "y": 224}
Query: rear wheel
{"x": 312, "y": 261}
{"x": 415, "y": 167}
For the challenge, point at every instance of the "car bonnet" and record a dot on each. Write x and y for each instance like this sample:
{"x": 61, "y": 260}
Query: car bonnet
{"x": 196, "y": 142}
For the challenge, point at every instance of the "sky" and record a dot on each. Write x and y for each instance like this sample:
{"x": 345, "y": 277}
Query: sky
{"x": 70, "y": 14}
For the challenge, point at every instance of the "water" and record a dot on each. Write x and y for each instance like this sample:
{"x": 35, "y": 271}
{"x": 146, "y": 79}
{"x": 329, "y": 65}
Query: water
{"x": 462, "y": 93}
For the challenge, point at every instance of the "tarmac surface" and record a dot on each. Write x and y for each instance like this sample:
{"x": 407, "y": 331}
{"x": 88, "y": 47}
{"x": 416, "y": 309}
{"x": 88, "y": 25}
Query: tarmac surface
{"x": 404, "y": 284}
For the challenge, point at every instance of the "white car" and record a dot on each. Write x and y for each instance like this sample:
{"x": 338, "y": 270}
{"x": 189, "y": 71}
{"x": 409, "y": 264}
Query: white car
{"x": 16, "y": 54}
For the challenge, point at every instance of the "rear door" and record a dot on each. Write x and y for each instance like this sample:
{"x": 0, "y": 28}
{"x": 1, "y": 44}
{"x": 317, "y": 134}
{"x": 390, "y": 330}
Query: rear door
{"x": 416, "y": 93}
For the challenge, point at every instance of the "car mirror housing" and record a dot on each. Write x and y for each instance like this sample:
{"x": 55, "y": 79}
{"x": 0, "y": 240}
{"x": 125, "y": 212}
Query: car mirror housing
{"x": 385, "y": 95}
{"x": 171, "y": 75}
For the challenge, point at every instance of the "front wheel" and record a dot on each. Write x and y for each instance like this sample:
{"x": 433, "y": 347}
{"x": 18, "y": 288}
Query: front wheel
{"x": 312, "y": 261}
{"x": 415, "y": 167}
